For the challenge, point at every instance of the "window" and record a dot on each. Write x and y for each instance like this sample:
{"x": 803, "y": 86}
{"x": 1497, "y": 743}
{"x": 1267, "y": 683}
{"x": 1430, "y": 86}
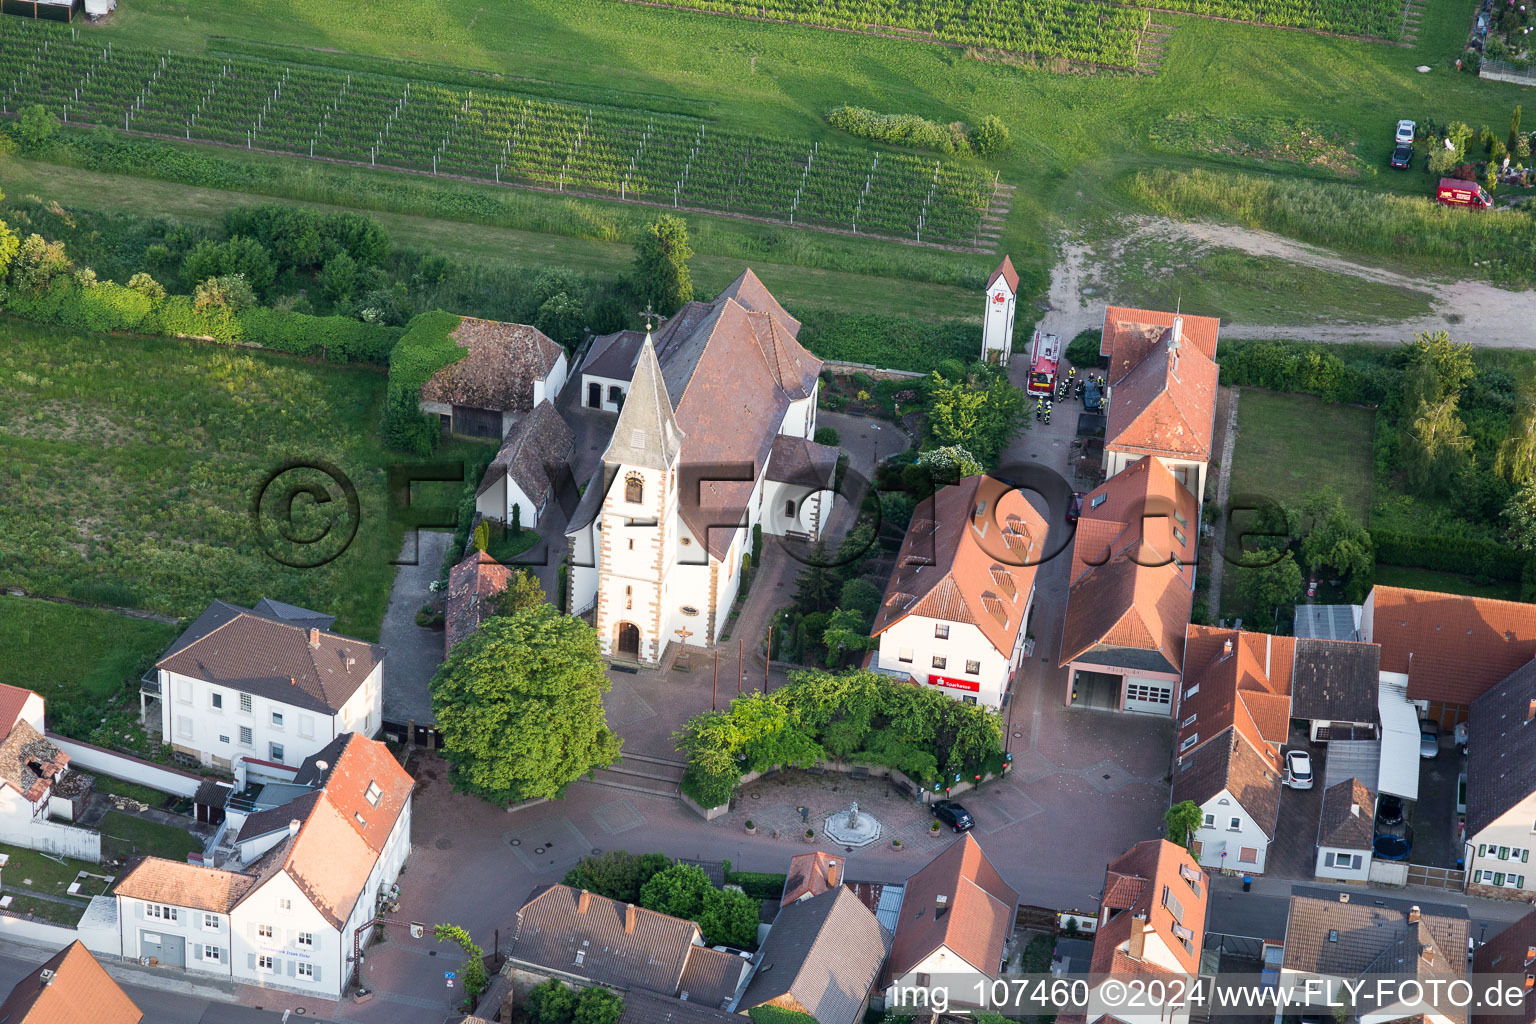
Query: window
{"x": 245, "y": 703}
{"x": 904, "y": 654}
{"x": 1189, "y": 721}
{"x": 1178, "y": 536}
{"x": 789, "y": 509}
{"x": 634, "y": 488}
{"x": 357, "y": 817}
{"x": 216, "y": 701}
{"x": 1348, "y": 861}
{"x": 1189, "y": 741}
{"x": 1098, "y": 500}
{"x": 263, "y": 931}
{"x": 1234, "y": 824}
{"x": 1195, "y": 846}
{"x": 276, "y": 751}
{"x": 306, "y": 971}
{"x": 1247, "y": 855}
{"x": 223, "y": 738}
{"x": 306, "y": 939}
{"x": 939, "y": 662}
{"x": 967, "y": 698}
{"x": 1210, "y": 821}
{"x": 1191, "y": 691}
{"x": 211, "y": 922}
{"x": 183, "y": 691}
{"x": 972, "y": 668}
{"x": 163, "y": 913}
{"x": 631, "y": 543}
{"x": 373, "y": 794}
{"x": 245, "y": 735}
{"x": 213, "y": 954}
{"x": 941, "y": 631}
{"x": 285, "y": 904}
{"x": 629, "y": 598}
{"x": 277, "y": 719}
{"x": 1172, "y": 903}
{"x": 922, "y": 980}
{"x": 264, "y": 963}
{"x": 1178, "y": 517}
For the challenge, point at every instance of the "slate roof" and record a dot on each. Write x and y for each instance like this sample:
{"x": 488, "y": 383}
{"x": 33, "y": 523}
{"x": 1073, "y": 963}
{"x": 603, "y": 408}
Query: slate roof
{"x": 1132, "y": 577}
{"x": 1336, "y": 681}
{"x": 646, "y": 434}
{"x": 970, "y": 555}
{"x": 1161, "y": 402}
{"x": 1348, "y": 818}
{"x": 711, "y": 976}
{"x": 1367, "y": 926}
{"x": 822, "y": 957}
{"x": 642, "y": 1007}
{"x": 1511, "y": 951}
{"x": 979, "y": 915}
{"x": 471, "y": 585}
{"x": 533, "y": 455}
{"x": 1007, "y": 273}
{"x": 795, "y": 460}
{"x": 499, "y": 370}
{"x": 1452, "y": 648}
{"x": 282, "y": 611}
{"x": 1501, "y": 749}
{"x": 1230, "y": 762}
{"x": 78, "y": 990}
{"x": 1162, "y": 882}
{"x": 811, "y": 874}
{"x": 29, "y": 761}
{"x": 312, "y": 669}
{"x": 552, "y": 928}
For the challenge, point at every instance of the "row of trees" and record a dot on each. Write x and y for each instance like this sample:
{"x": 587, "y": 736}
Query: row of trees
{"x": 1321, "y": 535}
{"x": 988, "y": 138}
{"x": 654, "y": 881}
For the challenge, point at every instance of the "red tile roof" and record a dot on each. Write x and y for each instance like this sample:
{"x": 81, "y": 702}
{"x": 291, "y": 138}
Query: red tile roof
{"x": 1247, "y": 687}
{"x": 1139, "y": 595}
{"x": 1452, "y": 648}
{"x": 77, "y": 990}
{"x": 471, "y": 585}
{"x": 811, "y": 874}
{"x": 1007, "y": 273}
{"x": 976, "y": 918}
{"x": 970, "y": 555}
{"x": 158, "y": 880}
{"x": 1129, "y": 334}
{"x": 12, "y": 700}
{"x": 1174, "y": 893}
{"x": 1161, "y": 402}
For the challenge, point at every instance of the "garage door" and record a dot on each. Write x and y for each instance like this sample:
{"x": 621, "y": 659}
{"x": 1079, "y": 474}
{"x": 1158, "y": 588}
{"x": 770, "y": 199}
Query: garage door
{"x": 1148, "y": 697}
{"x": 168, "y": 949}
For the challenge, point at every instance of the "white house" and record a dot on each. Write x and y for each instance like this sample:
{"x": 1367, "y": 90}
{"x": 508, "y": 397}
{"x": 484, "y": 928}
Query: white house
{"x": 529, "y": 468}
{"x": 292, "y": 915}
{"x": 957, "y": 605}
{"x": 1162, "y": 392}
{"x": 997, "y": 322}
{"x": 956, "y": 914}
{"x": 1501, "y": 789}
{"x": 507, "y": 371}
{"x": 1151, "y": 924}
{"x": 1344, "y": 832}
{"x": 39, "y": 791}
{"x": 272, "y": 682}
{"x": 713, "y": 439}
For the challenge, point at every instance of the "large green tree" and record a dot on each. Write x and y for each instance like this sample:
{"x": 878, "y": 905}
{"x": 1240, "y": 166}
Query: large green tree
{"x": 678, "y": 891}
{"x": 1516, "y": 460}
{"x": 661, "y": 265}
{"x": 10, "y": 242}
{"x": 520, "y": 706}
{"x": 979, "y": 413}
{"x": 1181, "y": 820}
{"x": 1266, "y": 589}
{"x": 1340, "y": 542}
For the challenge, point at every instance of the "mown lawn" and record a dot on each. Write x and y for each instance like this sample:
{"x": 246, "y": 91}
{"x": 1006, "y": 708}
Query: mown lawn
{"x": 28, "y": 869}
{"x": 1445, "y": 582}
{"x": 123, "y": 835}
{"x": 1291, "y": 445}
{"x": 129, "y": 790}
{"x": 73, "y": 655}
{"x": 130, "y": 465}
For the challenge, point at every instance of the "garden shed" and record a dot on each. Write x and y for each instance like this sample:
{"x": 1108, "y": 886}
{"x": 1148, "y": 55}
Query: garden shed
{"x": 48, "y": 10}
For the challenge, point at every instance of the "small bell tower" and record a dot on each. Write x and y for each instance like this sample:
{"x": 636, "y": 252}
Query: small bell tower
{"x": 997, "y": 320}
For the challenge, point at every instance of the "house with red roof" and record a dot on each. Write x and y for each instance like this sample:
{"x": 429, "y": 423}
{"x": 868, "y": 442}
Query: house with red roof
{"x": 1162, "y": 391}
{"x": 472, "y": 588}
{"x": 40, "y": 791}
{"x": 289, "y": 907}
{"x": 997, "y": 320}
{"x": 957, "y": 606}
{"x": 1131, "y": 591}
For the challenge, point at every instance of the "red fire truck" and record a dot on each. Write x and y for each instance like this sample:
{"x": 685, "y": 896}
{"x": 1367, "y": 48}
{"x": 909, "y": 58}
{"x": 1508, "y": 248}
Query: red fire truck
{"x": 1043, "y": 357}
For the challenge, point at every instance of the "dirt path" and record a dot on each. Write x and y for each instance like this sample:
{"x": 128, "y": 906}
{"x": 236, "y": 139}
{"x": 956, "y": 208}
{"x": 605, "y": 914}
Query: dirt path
{"x": 1474, "y": 310}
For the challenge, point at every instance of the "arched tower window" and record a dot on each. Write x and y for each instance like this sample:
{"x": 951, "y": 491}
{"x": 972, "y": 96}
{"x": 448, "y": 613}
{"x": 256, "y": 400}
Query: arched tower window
{"x": 634, "y": 489}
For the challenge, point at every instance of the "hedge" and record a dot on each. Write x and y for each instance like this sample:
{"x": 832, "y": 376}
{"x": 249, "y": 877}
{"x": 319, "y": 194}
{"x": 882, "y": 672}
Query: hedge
{"x": 1469, "y": 556}
{"x": 1310, "y": 370}
{"x": 901, "y": 129}
{"x": 760, "y": 885}
{"x": 424, "y": 349}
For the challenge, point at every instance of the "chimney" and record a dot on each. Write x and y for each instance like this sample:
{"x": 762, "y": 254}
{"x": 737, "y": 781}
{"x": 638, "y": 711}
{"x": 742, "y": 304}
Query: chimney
{"x": 583, "y": 902}
{"x": 833, "y": 872}
{"x": 293, "y": 826}
{"x": 1530, "y": 711}
{"x": 940, "y": 905}
{"x": 46, "y": 977}
{"x": 314, "y": 638}
{"x": 631, "y": 918}
{"x": 1413, "y": 914}
{"x": 1226, "y": 650}
{"x": 1138, "y": 942}
{"x": 1175, "y": 342}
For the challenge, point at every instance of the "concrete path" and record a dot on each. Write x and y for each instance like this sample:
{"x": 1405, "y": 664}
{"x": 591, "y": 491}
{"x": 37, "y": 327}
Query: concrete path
{"x": 414, "y": 652}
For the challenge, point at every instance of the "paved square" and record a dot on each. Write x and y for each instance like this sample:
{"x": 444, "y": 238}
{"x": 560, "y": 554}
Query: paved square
{"x": 547, "y": 844}
{"x": 619, "y": 816}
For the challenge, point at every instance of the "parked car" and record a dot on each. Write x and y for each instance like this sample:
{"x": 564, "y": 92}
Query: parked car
{"x": 1429, "y": 740}
{"x": 953, "y": 815}
{"x": 1075, "y": 506}
{"x": 1402, "y": 157}
{"x": 1461, "y": 793}
{"x": 1405, "y": 132}
{"x": 1298, "y": 769}
{"x": 1093, "y": 396}
{"x": 1389, "y": 810}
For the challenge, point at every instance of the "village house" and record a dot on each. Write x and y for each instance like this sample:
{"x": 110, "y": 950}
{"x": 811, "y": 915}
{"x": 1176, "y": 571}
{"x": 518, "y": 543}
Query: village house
{"x": 713, "y": 440}
{"x": 291, "y": 909}
{"x": 40, "y": 793}
{"x": 956, "y": 610}
{"x": 956, "y": 916}
{"x": 1344, "y": 832}
{"x": 528, "y": 471}
{"x": 1340, "y": 936}
{"x": 69, "y": 987}
{"x": 271, "y": 682}
{"x": 580, "y": 936}
{"x": 1233, "y": 719}
{"x": 1511, "y": 951}
{"x": 1131, "y": 591}
{"x": 1151, "y": 926}
{"x": 507, "y": 372}
{"x": 1162, "y": 392}
{"x": 997, "y": 322}
{"x": 1501, "y": 789}
{"x": 822, "y": 957}
{"x": 472, "y": 586}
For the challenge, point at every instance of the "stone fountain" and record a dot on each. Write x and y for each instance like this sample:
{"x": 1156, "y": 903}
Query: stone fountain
{"x": 851, "y": 828}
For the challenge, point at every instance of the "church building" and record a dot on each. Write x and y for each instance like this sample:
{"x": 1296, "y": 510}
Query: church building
{"x": 713, "y": 437}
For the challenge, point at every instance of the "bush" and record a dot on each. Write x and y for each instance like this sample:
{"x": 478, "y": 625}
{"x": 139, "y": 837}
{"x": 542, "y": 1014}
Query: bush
{"x": 758, "y": 884}
{"x": 889, "y": 342}
{"x": 1083, "y": 350}
{"x": 424, "y": 349}
{"x": 990, "y": 137}
{"x": 902, "y": 129}
{"x": 1469, "y": 556}
{"x": 617, "y": 874}
{"x": 828, "y": 436}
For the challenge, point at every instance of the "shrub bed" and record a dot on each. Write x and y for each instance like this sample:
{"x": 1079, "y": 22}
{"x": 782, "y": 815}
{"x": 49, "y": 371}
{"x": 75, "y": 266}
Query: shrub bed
{"x": 424, "y": 349}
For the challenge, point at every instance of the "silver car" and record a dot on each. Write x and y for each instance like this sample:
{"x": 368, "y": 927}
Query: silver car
{"x": 1429, "y": 740}
{"x": 1298, "y": 769}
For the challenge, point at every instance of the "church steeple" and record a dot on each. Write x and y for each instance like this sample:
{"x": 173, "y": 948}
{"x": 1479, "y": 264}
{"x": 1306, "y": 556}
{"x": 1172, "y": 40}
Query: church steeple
{"x": 646, "y": 434}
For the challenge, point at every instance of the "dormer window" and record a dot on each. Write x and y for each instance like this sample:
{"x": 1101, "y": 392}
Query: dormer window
{"x": 634, "y": 489}
{"x": 373, "y": 794}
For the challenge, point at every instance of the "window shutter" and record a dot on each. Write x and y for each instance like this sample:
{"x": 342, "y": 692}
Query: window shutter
{"x": 138, "y": 909}
{"x": 1525, "y": 856}
{"x": 290, "y": 968}
{"x": 250, "y": 960}
{"x": 197, "y": 950}
{"x": 317, "y": 972}
{"x": 1328, "y": 860}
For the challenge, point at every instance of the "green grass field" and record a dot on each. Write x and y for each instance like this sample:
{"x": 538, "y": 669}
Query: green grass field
{"x": 1291, "y": 445}
{"x": 130, "y": 466}
{"x": 123, "y": 835}
{"x": 74, "y": 655}
{"x": 1445, "y": 582}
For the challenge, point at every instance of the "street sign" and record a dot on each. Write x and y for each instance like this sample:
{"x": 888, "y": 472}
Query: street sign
{"x": 450, "y": 975}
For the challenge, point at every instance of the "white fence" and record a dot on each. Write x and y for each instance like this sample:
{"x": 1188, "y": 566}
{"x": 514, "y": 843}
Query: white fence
{"x": 1503, "y": 71}
{"x": 124, "y": 766}
{"x": 54, "y": 837}
{"x": 1389, "y": 872}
